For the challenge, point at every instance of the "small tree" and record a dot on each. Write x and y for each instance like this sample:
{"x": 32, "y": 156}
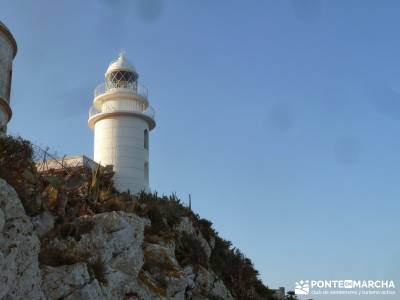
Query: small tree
{"x": 291, "y": 296}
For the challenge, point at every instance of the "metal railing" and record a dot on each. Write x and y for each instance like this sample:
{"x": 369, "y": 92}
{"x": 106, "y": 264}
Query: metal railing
{"x": 129, "y": 87}
{"x": 149, "y": 111}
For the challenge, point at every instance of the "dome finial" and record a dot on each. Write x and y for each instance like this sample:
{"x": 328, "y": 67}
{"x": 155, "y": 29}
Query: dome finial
{"x": 121, "y": 64}
{"x": 122, "y": 54}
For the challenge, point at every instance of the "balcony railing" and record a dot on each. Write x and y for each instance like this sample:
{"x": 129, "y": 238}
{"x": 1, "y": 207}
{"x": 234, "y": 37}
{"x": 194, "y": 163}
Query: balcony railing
{"x": 149, "y": 111}
{"x": 129, "y": 87}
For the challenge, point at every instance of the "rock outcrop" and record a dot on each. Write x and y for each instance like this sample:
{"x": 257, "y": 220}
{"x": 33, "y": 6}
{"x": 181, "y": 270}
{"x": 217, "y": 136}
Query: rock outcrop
{"x": 120, "y": 265}
{"x": 103, "y": 256}
{"x": 20, "y": 276}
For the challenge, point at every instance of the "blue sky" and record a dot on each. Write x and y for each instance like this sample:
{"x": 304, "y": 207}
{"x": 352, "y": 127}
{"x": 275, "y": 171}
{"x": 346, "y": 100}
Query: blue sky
{"x": 281, "y": 118}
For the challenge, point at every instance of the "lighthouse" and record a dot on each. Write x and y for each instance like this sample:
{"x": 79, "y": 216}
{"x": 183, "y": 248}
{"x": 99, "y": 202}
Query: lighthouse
{"x": 8, "y": 50}
{"x": 122, "y": 118}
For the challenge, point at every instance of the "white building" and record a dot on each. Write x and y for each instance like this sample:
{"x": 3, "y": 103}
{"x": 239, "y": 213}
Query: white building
{"x": 122, "y": 118}
{"x": 8, "y": 50}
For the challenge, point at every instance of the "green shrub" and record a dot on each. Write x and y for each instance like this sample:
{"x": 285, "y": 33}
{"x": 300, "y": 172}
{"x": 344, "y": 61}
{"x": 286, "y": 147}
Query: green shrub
{"x": 206, "y": 229}
{"x": 18, "y": 169}
{"x": 237, "y": 272}
{"x": 164, "y": 213}
{"x": 188, "y": 251}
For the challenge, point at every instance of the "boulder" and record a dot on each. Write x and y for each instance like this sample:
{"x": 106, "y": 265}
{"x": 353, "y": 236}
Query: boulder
{"x": 20, "y": 276}
{"x": 70, "y": 282}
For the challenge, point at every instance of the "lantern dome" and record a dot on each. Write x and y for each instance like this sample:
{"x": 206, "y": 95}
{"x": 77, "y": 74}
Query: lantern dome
{"x": 121, "y": 64}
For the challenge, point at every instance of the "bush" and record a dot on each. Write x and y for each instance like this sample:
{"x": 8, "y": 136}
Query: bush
{"x": 164, "y": 213}
{"x": 237, "y": 272}
{"x": 15, "y": 158}
{"x": 18, "y": 169}
{"x": 114, "y": 204}
{"x": 188, "y": 251}
{"x": 206, "y": 229}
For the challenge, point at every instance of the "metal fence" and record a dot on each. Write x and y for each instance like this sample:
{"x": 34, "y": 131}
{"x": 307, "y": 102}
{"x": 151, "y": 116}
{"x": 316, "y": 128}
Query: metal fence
{"x": 128, "y": 87}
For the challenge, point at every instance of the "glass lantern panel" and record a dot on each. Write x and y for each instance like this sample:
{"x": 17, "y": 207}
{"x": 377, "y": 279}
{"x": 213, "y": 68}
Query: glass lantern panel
{"x": 121, "y": 79}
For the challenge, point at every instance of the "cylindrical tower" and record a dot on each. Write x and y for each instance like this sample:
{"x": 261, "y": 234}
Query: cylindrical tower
{"x": 8, "y": 50}
{"x": 122, "y": 119}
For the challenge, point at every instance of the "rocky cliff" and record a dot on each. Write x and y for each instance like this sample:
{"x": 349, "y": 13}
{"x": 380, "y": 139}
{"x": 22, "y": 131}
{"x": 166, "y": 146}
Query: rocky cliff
{"x": 71, "y": 236}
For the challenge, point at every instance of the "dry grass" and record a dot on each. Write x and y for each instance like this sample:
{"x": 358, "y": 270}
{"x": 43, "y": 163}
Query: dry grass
{"x": 151, "y": 284}
{"x": 98, "y": 271}
{"x": 56, "y": 257}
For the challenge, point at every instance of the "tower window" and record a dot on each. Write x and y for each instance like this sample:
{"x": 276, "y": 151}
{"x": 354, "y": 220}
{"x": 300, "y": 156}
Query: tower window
{"x": 146, "y": 171}
{"x": 9, "y": 86}
{"x": 146, "y": 139}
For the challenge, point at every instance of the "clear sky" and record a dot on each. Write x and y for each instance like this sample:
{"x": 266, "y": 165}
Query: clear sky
{"x": 281, "y": 118}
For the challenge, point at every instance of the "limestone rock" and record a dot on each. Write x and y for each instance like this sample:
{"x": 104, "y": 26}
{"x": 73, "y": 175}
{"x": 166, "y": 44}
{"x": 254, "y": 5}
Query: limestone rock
{"x": 208, "y": 282}
{"x": 127, "y": 267}
{"x": 19, "y": 247}
{"x": 70, "y": 282}
{"x": 161, "y": 264}
{"x": 116, "y": 240}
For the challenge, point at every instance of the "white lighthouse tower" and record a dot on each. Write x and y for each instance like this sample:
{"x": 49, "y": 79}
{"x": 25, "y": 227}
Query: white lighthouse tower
{"x": 122, "y": 118}
{"x": 8, "y": 50}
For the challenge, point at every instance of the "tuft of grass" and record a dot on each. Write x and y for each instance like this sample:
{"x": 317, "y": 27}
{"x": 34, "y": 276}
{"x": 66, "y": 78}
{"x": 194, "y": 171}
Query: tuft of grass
{"x": 56, "y": 257}
{"x": 98, "y": 270}
{"x": 114, "y": 204}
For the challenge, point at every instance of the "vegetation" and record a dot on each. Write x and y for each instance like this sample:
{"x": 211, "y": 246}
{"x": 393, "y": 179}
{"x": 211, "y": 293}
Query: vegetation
{"x": 76, "y": 229}
{"x": 163, "y": 212}
{"x": 98, "y": 270}
{"x": 159, "y": 264}
{"x": 188, "y": 251}
{"x": 237, "y": 271}
{"x": 56, "y": 257}
{"x": 291, "y": 296}
{"x": 151, "y": 284}
{"x": 71, "y": 193}
{"x": 18, "y": 169}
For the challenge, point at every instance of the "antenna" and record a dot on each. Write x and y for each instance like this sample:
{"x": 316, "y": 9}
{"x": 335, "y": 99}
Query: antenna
{"x": 190, "y": 202}
{"x": 122, "y": 54}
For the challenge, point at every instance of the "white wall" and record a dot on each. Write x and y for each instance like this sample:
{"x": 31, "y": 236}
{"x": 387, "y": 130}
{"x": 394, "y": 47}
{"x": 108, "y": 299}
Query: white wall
{"x": 6, "y": 58}
{"x": 119, "y": 141}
